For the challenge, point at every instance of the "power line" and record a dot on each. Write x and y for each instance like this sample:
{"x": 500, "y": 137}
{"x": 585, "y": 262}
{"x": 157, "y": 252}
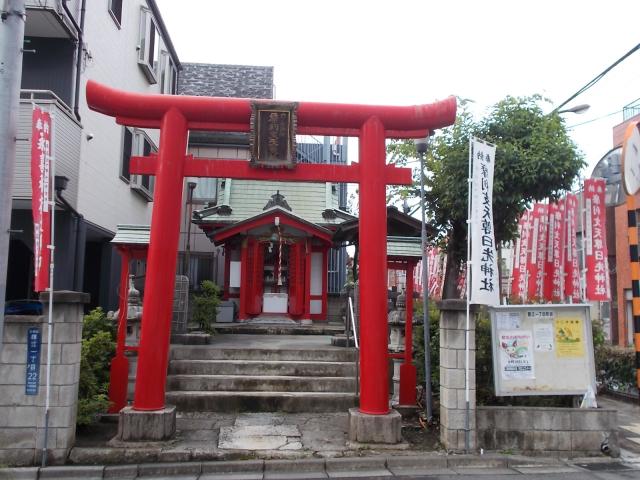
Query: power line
{"x": 594, "y": 119}
{"x": 597, "y": 78}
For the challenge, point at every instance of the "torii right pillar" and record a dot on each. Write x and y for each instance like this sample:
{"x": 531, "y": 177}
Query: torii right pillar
{"x": 373, "y": 422}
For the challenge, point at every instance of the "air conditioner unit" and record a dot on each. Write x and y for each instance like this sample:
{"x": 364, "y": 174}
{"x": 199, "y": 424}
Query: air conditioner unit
{"x": 143, "y": 185}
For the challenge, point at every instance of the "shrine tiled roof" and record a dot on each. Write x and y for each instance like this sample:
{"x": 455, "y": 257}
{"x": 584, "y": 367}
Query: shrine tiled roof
{"x": 243, "y": 81}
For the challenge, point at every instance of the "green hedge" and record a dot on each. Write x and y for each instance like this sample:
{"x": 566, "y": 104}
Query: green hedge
{"x": 615, "y": 367}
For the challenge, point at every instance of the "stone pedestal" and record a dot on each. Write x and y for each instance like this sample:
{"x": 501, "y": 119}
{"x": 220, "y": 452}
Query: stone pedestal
{"x": 452, "y": 376}
{"x": 364, "y": 428}
{"x": 22, "y": 416}
{"x": 137, "y": 425}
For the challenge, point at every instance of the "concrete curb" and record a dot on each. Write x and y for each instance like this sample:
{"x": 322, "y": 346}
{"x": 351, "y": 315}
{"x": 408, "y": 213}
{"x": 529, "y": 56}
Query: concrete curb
{"x": 424, "y": 464}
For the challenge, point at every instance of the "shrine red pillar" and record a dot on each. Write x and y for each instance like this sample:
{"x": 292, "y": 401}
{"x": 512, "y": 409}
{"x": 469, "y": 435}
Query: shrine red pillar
{"x": 244, "y": 275}
{"x": 408, "y": 373}
{"x": 306, "y": 315}
{"x": 227, "y": 271}
{"x": 161, "y": 266}
{"x": 119, "y": 373}
{"x": 374, "y": 388}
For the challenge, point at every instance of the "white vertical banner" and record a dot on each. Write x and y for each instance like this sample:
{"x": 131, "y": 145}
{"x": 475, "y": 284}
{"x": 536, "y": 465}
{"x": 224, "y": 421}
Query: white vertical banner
{"x": 485, "y": 285}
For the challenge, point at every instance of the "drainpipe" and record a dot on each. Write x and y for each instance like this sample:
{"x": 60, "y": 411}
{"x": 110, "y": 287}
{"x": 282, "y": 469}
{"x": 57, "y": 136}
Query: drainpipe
{"x": 60, "y": 184}
{"x": 79, "y": 29}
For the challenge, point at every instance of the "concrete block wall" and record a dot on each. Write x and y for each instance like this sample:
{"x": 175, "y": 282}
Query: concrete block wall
{"x": 452, "y": 376}
{"x": 570, "y": 431}
{"x": 21, "y": 415}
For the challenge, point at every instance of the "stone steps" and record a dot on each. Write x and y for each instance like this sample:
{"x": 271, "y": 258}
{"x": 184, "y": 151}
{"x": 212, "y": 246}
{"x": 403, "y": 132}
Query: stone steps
{"x": 261, "y": 383}
{"x": 235, "y": 401}
{"x": 260, "y": 373}
{"x": 207, "y": 352}
{"x": 259, "y": 367}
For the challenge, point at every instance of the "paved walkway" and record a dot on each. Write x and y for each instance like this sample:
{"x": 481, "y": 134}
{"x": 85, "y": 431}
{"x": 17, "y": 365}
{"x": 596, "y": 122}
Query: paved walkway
{"x": 379, "y": 466}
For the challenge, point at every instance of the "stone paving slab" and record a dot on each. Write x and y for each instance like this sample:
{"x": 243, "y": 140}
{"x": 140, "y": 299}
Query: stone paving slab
{"x": 485, "y": 471}
{"x": 546, "y": 469}
{"x": 29, "y": 473}
{"x": 231, "y": 476}
{"x": 260, "y": 437}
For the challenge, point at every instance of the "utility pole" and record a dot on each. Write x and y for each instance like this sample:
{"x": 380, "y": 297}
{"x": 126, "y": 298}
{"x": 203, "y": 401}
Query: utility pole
{"x": 12, "y": 18}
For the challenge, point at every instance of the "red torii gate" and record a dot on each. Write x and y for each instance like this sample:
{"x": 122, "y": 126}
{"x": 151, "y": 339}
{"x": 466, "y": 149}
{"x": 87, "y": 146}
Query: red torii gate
{"x": 175, "y": 115}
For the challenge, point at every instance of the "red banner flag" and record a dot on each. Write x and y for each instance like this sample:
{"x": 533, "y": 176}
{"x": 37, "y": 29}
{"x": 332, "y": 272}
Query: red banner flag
{"x": 554, "y": 264}
{"x": 40, "y": 187}
{"x": 519, "y": 282}
{"x": 538, "y": 251}
{"x": 596, "y": 240}
{"x": 572, "y": 288}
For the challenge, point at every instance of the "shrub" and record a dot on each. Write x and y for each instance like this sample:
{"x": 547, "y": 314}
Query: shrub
{"x": 206, "y": 304}
{"x": 615, "y": 367}
{"x": 98, "y": 348}
{"x": 434, "y": 343}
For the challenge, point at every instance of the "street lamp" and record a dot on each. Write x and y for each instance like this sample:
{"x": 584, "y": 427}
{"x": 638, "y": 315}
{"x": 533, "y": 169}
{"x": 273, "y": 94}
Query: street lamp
{"x": 579, "y": 109}
{"x": 422, "y": 145}
{"x": 191, "y": 186}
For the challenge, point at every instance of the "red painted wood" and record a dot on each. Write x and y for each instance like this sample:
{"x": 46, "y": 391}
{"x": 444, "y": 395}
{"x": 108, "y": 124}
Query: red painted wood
{"x": 227, "y": 271}
{"x": 296, "y": 279}
{"x": 269, "y": 219}
{"x": 119, "y": 374}
{"x": 374, "y": 394}
{"x": 407, "y": 369}
{"x": 199, "y": 111}
{"x": 304, "y": 172}
{"x": 258, "y": 277}
{"x": 408, "y": 373}
{"x": 161, "y": 267}
{"x": 244, "y": 273}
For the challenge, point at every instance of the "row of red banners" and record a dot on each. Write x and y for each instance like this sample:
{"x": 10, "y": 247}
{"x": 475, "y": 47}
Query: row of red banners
{"x": 546, "y": 258}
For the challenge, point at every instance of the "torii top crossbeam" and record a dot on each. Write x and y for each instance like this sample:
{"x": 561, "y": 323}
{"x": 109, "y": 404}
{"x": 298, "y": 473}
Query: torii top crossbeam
{"x": 175, "y": 115}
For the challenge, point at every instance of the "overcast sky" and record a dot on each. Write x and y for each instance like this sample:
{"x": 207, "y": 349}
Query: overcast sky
{"x": 410, "y": 52}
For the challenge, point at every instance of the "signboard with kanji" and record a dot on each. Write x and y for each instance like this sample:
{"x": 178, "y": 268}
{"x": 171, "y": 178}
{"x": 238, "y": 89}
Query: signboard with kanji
{"x": 544, "y": 349}
{"x": 32, "y": 374}
{"x": 272, "y": 139}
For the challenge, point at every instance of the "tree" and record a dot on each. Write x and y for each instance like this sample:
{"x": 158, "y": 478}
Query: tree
{"x": 535, "y": 159}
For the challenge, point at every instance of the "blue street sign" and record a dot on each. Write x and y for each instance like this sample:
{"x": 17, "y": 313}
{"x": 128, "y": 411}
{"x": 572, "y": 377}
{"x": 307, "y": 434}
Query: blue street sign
{"x": 33, "y": 361}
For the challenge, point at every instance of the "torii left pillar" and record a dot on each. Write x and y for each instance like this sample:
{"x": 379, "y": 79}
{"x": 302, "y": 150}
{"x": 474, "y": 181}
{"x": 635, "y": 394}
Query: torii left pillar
{"x": 158, "y": 421}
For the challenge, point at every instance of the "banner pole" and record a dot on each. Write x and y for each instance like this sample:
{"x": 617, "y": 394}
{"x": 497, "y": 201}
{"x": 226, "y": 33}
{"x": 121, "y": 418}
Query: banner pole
{"x": 468, "y": 289}
{"x": 52, "y": 207}
{"x": 583, "y": 220}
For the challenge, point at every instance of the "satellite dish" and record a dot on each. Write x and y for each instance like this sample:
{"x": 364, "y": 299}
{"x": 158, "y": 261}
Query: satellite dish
{"x": 631, "y": 159}
{"x": 609, "y": 167}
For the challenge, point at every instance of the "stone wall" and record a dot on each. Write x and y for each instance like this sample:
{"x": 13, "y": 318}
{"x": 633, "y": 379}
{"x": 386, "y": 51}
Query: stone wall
{"x": 21, "y": 415}
{"x": 452, "y": 376}
{"x": 336, "y": 308}
{"x": 569, "y": 431}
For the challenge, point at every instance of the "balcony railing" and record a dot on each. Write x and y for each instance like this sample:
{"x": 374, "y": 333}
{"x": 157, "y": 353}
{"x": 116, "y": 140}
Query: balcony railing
{"x": 67, "y": 134}
{"x": 631, "y": 110}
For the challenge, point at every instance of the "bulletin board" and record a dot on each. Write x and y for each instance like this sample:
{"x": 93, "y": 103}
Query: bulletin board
{"x": 542, "y": 349}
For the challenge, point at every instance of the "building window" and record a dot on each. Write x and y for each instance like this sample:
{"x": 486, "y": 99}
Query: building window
{"x": 137, "y": 143}
{"x": 149, "y": 46}
{"x": 206, "y": 189}
{"x": 115, "y": 9}
{"x": 168, "y": 75}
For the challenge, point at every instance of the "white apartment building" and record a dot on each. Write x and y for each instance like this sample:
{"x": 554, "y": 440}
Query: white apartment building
{"x": 123, "y": 44}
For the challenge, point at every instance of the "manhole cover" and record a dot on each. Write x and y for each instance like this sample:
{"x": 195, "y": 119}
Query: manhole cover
{"x": 603, "y": 466}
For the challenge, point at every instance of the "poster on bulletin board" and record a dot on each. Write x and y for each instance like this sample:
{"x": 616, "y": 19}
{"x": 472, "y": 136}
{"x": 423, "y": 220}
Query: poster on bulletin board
{"x": 542, "y": 349}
